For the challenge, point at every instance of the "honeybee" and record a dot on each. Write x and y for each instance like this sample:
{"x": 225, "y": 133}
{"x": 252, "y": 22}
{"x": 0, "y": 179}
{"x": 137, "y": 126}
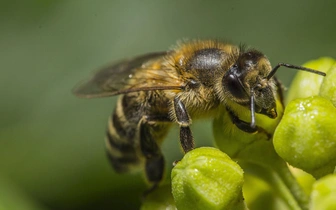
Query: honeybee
{"x": 197, "y": 79}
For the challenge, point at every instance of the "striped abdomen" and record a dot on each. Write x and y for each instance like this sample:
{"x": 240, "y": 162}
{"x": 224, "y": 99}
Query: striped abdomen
{"x": 123, "y": 138}
{"x": 121, "y": 135}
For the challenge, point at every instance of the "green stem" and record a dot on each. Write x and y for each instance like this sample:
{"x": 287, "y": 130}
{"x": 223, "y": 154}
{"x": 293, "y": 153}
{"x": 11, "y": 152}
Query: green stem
{"x": 276, "y": 183}
{"x": 291, "y": 183}
{"x": 276, "y": 172}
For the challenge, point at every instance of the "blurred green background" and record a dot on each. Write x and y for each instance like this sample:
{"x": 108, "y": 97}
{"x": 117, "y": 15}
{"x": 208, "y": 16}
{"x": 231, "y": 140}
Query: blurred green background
{"x": 51, "y": 144}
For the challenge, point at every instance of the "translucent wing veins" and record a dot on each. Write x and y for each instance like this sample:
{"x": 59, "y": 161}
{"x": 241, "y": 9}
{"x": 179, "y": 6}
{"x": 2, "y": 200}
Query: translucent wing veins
{"x": 113, "y": 79}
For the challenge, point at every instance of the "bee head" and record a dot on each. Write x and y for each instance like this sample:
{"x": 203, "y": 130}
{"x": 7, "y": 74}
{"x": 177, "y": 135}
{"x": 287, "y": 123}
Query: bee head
{"x": 247, "y": 83}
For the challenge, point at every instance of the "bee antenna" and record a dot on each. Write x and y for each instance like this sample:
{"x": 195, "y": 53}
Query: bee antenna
{"x": 271, "y": 74}
{"x": 253, "y": 120}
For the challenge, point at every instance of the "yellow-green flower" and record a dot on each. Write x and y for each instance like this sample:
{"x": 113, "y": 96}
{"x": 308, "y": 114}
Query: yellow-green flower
{"x": 206, "y": 178}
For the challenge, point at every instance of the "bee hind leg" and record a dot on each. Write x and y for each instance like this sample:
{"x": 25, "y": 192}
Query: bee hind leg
{"x": 154, "y": 164}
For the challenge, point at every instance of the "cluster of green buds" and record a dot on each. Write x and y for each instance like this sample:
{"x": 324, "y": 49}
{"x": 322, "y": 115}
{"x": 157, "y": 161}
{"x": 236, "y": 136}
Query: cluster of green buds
{"x": 306, "y": 135}
{"x": 249, "y": 172}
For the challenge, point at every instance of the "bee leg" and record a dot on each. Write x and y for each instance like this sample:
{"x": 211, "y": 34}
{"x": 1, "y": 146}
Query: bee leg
{"x": 242, "y": 125}
{"x": 154, "y": 165}
{"x": 183, "y": 119}
{"x": 246, "y": 127}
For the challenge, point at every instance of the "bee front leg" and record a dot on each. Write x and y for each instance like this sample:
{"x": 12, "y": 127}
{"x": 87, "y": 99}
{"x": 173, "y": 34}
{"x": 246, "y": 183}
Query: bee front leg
{"x": 245, "y": 126}
{"x": 183, "y": 119}
{"x": 242, "y": 125}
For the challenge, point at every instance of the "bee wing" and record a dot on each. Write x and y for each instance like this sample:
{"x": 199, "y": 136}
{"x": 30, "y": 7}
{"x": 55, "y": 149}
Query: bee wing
{"x": 112, "y": 80}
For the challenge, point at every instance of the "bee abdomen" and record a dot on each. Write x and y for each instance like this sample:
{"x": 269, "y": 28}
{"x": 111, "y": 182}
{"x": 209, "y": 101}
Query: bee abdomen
{"x": 122, "y": 147}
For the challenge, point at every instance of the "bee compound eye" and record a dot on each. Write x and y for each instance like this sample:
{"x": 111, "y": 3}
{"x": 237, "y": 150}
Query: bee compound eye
{"x": 234, "y": 86}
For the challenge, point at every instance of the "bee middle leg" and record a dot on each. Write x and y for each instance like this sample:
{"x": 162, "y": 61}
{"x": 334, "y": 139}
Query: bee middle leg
{"x": 183, "y": 119}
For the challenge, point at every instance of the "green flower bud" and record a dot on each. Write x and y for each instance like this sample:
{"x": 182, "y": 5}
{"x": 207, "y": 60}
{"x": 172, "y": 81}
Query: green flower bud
{"x": 324, "y": 194}
{"x": 160, "y": 199}
{"x": 328, "y": 87}
{"x": 306, "y": 84}
{"x": 306, "y": 136}
{"x": 206, "y": 178}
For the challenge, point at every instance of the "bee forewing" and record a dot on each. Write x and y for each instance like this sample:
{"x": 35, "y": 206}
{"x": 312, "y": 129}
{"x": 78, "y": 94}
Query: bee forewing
{"x": 112, "y": 79}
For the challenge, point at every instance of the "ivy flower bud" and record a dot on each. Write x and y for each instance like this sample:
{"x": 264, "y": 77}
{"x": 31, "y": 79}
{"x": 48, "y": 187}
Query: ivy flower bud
{"x": 306, "y": 84}
{"x": 324, "y": 193}
{"x": 160, "y": 199}
{"x": 306, "y": 136}
{"x": 328, "y": 86}
{"x": 206, "y": 178}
